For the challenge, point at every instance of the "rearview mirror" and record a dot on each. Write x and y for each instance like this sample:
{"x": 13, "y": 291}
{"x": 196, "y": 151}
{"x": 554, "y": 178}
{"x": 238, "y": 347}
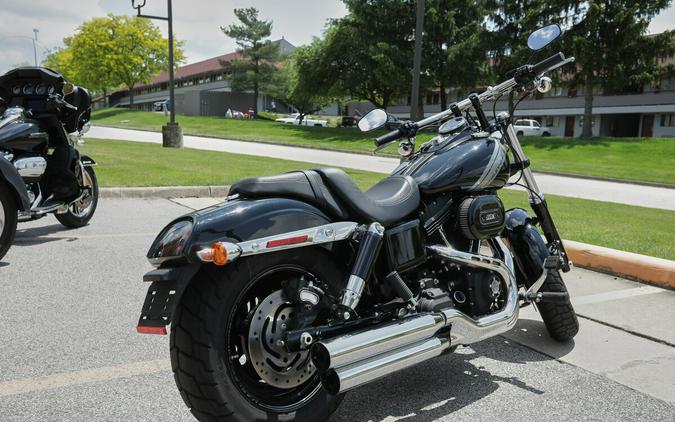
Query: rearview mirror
{"x": 543, "y": 37}
{"x": 374, "y": 119}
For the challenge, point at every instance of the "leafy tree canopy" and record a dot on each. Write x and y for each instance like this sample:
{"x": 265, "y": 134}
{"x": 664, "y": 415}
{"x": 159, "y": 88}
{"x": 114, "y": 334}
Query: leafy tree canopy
{"x": 112, "y": 51}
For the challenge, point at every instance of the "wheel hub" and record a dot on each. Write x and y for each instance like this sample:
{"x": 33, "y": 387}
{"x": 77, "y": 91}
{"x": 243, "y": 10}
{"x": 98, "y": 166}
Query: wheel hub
{"x": 276, "y": 366}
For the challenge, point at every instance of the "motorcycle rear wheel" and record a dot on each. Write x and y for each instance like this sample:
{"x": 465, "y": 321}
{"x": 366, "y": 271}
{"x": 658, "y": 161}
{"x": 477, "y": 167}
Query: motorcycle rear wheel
{"x": 8, "y": 218}
{"x": 211, "y": 353}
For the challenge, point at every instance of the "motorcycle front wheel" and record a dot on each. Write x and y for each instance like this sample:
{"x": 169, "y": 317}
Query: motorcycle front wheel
{"x": 227, "y": 355}
{"x": 80, "y": 212}
{"x": 8, "y": 218}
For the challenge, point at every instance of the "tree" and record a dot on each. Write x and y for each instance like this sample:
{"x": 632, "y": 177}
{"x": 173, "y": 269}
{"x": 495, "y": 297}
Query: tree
{"x": 453, "y": 49}
{"x": 512, "y": 22}
{"x": 367, "y": 54}
{"x": 297, "y": 83}
{"x": 259, "y": 55}
{"x": 613, "y": 52}
{"x": 110, "y": 51}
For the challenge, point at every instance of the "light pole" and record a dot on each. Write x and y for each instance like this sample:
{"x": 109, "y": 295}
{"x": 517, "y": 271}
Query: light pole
{"x": 417, "y": 62}
{"x": 172, "y": 134}
{"x": 35, "y": 31}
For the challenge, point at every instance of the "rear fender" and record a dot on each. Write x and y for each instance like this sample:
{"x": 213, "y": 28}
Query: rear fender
{"x": 10, "y": 176}
{"x": 527, "y": 244}
{"x": 232, "y": 221}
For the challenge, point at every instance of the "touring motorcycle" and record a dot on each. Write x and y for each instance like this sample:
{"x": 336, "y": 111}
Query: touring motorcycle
{"x": 300, "y": 287}
{"x": 41, "y": 171}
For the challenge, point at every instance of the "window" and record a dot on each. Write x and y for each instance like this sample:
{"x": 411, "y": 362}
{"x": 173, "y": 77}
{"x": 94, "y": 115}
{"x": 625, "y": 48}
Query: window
{"x": 551, "y": 121}
{"x": 668, "y": 120}
{"x": 536, "y": 124}
{"x": 522, "y": 123}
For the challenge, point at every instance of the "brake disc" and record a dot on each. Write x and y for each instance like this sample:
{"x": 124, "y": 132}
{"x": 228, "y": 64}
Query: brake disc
{"x": 271, "y": 361}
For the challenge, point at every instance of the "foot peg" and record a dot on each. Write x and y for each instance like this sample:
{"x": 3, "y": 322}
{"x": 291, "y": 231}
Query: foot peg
{"x": 553, "y": 297}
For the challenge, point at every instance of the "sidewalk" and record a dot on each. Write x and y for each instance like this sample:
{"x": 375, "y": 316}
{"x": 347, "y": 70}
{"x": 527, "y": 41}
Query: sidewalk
{"x": 622, "y": 193}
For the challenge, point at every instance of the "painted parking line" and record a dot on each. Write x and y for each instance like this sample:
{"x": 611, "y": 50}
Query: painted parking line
{"x": 615, "y": 295}
{"x": 66, "y": 379}
{"x": 65, "y": 236}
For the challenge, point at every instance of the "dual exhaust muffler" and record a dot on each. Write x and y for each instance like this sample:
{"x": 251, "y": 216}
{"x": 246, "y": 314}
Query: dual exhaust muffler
{"x": 355, "y": 359}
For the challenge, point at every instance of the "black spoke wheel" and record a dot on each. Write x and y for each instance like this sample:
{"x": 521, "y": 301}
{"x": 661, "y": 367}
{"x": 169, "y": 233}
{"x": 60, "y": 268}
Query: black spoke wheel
{"x": 227, "y": 358}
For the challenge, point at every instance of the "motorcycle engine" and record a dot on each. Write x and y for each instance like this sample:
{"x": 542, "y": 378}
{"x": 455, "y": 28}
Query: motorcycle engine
{"x": 473, "y": 291}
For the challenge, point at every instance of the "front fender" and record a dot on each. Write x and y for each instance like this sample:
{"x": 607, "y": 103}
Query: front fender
{"x": 233, "y": 221}
{"x": 528, "y": 246}
{"x": 11, "y": 177}
{"x": 87, "y": 161}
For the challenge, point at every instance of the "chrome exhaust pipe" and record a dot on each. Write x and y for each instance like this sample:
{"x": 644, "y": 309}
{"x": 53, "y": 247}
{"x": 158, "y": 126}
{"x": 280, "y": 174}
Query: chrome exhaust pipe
{"x": 355, "y": 359}
{"x": 337, "y": 381}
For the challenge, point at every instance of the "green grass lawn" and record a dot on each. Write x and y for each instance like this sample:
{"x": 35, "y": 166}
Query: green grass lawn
{"x": 635, "y": 229}
{"x": 638, "y": 159}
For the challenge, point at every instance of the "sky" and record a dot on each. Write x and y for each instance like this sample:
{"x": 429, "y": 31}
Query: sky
{"x": 197, "y": 22}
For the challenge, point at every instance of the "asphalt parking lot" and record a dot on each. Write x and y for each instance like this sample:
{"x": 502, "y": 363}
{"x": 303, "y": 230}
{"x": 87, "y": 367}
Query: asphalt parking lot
{"x": 70, "y": 300}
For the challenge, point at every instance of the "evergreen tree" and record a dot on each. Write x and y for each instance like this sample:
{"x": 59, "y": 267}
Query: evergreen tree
{"x": 259, "y": 55}
{"x": 613, "y": 51}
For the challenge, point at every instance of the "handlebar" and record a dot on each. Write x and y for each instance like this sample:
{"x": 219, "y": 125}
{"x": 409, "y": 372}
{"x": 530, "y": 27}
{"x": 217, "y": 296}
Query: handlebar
{"x": 389, "y": 137}
{"x": 525, "y": 73}
{"x": 548, "y": 63}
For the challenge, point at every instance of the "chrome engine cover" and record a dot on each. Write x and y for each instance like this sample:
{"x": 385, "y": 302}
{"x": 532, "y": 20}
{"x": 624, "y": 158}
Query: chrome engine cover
{"x": 31, "y": 167}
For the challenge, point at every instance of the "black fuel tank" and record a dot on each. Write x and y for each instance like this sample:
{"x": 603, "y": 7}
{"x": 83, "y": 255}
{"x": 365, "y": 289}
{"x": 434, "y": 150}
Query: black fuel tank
{"x": 464, "y": 162}
{"x": 23, "y": 136}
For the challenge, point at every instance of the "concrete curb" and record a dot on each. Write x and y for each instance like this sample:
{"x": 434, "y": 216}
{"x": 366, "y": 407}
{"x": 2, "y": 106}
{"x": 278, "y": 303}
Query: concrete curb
{"x": 647, "y": 269}
{"x": 166, "y": 192}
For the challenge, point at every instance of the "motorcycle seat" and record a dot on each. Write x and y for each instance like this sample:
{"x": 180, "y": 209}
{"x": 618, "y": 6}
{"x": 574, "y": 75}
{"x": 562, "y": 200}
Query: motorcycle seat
{"x": 304, "y": 185}
{"x": 389, "y": 201}
{"x": 335, "y": 192}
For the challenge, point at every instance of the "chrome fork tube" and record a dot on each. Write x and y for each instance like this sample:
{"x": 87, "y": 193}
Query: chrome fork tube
{"x": 505, "y": 122}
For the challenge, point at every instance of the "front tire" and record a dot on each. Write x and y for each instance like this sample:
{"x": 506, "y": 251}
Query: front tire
{"x": 79, "y": 213}
{"x": 560, "y": 319}
{"x": 211, "y": 353}
{"x": 8, "y": 218}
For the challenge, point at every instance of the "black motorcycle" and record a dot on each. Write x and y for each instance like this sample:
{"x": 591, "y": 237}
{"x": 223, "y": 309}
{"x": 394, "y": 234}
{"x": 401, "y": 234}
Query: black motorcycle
{"x": 41, "y": 172}
{"x": 301, "y": 287}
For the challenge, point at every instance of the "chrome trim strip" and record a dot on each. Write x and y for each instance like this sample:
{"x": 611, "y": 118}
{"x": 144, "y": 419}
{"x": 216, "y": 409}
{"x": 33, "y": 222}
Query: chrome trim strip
{"x": 326, "y": 233}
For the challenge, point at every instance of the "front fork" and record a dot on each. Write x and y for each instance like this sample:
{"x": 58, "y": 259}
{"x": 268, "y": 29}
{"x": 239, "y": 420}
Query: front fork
{"x": 536, "y": 196}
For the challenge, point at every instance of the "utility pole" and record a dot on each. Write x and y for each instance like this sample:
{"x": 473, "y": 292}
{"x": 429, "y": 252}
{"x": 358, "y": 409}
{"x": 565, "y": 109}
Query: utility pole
{"x": 35, "y": 31}
{"x": 172, "y": 134}
{"x": 417, "y": 63}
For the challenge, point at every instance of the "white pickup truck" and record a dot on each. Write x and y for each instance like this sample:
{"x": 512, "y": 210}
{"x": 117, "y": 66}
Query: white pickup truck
{"x": 294, "y": 119}
{"x": 528, "y": 127}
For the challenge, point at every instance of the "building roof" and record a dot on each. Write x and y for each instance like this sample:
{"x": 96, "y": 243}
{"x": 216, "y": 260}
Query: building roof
{"x": 205, "y": 66}
{"x": 209, "y": 65}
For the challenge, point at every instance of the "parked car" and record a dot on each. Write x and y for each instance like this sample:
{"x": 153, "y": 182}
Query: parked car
{"x": 161, "y": 105}
{"x": 393, "y": 122}
{"x": 294, "y": 119}
{"x": 529, "y": 127}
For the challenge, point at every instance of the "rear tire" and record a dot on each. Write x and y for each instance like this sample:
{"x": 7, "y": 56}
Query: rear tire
{"x": 519, "y": 133}
{"x": 8, "y": 218}
{"x": 560, "y": 319}
{"x": 216, "y": 385}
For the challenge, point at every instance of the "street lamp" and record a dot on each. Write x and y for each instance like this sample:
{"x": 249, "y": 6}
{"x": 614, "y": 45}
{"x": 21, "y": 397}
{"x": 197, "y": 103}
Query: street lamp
{"x": 417, "y": 62}
{"x": 35, "y": 31}
{"x": 172, "y": 134}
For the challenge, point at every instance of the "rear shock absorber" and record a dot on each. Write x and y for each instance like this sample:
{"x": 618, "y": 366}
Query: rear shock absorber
{"x": 369, "y": 249}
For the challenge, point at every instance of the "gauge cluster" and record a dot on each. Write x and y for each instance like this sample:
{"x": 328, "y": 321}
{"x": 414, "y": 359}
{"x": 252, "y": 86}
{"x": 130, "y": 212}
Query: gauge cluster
{"x": 32, "y": 88}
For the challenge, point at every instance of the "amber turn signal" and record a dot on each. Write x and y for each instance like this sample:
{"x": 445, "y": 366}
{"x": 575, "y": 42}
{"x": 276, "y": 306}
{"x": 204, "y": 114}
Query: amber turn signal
{"x": 219, "y": 253}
